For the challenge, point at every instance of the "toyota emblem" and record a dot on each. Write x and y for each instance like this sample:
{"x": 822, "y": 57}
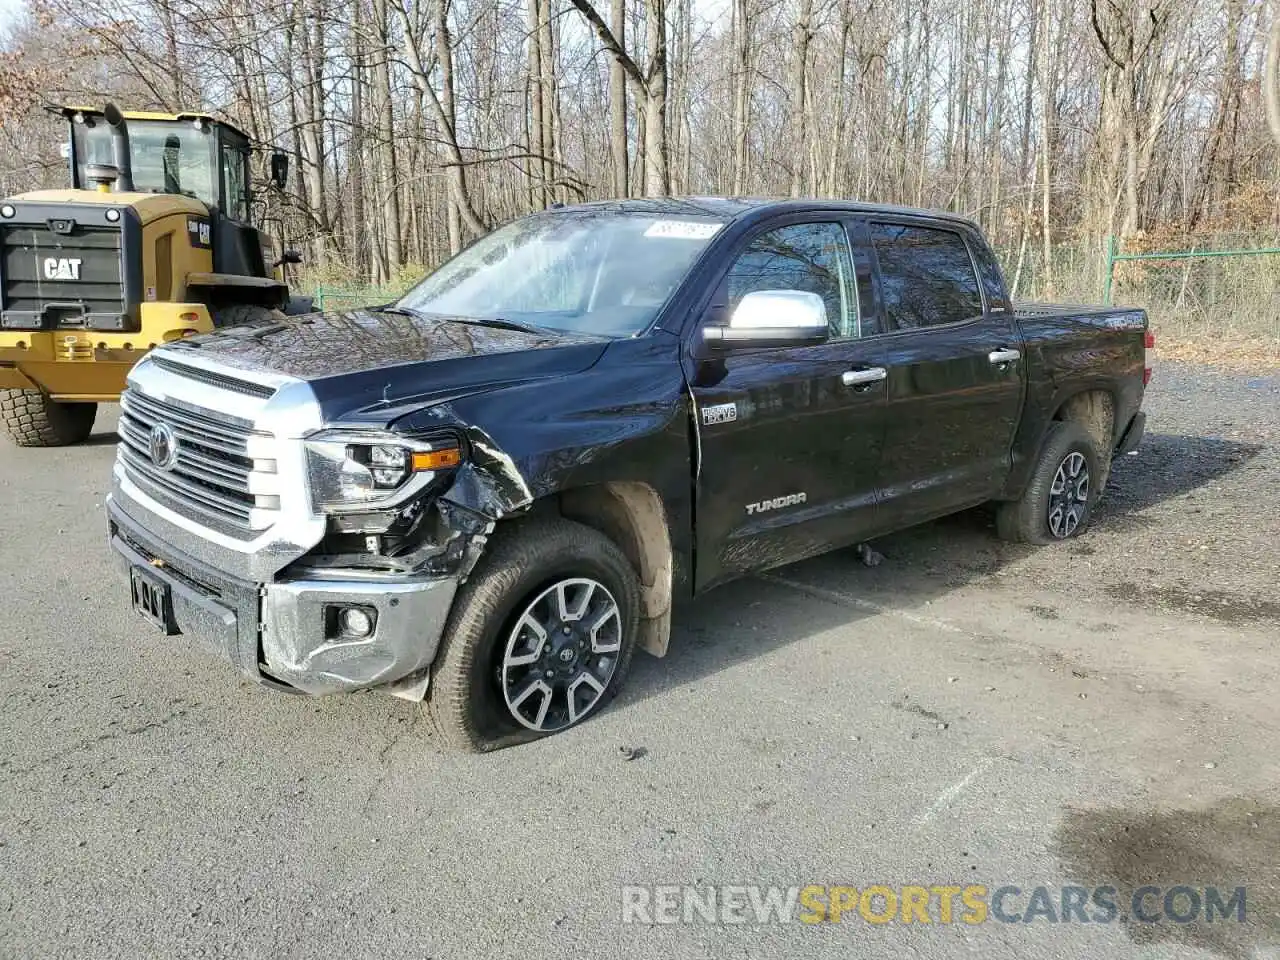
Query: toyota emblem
{"x": 163, "y": 446}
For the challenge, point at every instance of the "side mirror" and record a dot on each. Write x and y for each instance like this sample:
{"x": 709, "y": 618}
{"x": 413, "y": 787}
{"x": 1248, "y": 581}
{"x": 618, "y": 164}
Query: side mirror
{"x": 288, "y": 257}
{"x": 771, "y": 318}
{"x": 279, "y": 169}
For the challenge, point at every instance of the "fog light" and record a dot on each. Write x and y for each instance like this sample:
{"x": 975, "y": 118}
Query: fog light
{"x": 356, "y": 622}
{"x": 113, "y": 215}
{"x": 7, "y": 211}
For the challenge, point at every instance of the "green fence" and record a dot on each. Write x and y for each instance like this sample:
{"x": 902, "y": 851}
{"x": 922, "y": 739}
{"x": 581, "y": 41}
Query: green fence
{"x": 328, "y": 297}
{"x": 1219, "y": 291}
{"x": 1114, "y": 257}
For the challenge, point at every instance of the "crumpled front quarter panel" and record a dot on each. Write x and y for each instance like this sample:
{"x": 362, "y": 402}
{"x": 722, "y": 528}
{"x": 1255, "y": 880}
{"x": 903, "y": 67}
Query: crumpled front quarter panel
{"x": 624, "y": 419}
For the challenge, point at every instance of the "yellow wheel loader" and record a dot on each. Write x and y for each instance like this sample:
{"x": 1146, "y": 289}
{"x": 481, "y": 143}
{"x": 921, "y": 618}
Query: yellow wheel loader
{"x": 153, "y": 242}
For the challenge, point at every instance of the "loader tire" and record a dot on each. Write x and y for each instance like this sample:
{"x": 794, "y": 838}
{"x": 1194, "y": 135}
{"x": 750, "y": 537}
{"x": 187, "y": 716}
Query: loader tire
{"x": 32, "y": 419}
{"x": 243, "y": 313}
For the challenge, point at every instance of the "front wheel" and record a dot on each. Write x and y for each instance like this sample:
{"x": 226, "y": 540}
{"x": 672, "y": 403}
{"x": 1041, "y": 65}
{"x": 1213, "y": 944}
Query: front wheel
{"x": 1058, "y": 501}
{"x": 540, "y": 638}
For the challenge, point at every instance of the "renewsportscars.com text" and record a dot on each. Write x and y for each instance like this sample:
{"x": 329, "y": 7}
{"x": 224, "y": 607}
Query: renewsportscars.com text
{"x": 932, "y": 904}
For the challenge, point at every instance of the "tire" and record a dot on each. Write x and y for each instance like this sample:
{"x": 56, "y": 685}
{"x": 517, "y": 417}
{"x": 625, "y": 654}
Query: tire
{"x": 299, "y": 306}
{"x": 1045, "y": 515}
{"x": 243, "y": 313}
{"x": 475, "y": 694}
{"x": 32, "y": 419}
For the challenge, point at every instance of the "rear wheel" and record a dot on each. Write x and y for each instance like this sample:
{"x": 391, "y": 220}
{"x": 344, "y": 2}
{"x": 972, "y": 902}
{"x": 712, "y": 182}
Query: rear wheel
{"x": 242, "y": 313}
{"x": 540, "y": 638}
{"x": 32, "y": 419}
{"x": 1058, "y": 502}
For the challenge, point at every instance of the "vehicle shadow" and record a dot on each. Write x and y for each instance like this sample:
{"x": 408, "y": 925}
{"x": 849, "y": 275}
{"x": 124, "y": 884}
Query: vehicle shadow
{"x": 1168, "y": 466}
{"x": 106, "y": 438}
{"x": 752, "y": 617}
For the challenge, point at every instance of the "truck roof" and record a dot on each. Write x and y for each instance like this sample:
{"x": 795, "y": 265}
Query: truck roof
{"x": 730, "y": 208}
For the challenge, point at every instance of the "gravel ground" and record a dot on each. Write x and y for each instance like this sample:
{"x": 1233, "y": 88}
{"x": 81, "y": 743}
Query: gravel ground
{"x": 966, "y": 712}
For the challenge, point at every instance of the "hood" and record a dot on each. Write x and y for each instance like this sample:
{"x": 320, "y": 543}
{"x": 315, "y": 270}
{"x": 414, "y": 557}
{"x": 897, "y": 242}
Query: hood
{"x": 371, "y": 367}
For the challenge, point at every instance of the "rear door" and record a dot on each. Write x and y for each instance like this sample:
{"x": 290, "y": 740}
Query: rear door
{"x": 789, "y": 438}
{"x": 955, "y": 383}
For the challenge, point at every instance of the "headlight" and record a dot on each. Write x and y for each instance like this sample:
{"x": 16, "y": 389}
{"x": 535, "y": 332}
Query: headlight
{"x": 362, "y": 471}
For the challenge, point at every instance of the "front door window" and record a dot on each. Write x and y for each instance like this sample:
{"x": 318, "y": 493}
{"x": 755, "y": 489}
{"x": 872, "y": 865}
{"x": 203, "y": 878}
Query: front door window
{"x": 812, "y": 257}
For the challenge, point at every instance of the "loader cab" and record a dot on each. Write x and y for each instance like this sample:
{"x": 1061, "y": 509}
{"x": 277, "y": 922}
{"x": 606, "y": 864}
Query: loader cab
{"x": 187, "y": 154}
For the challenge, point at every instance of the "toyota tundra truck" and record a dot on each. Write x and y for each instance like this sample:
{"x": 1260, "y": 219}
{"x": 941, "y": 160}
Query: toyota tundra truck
{"x": 489, "y": 494}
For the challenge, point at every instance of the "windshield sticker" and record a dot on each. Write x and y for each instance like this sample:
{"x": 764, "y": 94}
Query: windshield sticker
{"x": 682, "y": 230}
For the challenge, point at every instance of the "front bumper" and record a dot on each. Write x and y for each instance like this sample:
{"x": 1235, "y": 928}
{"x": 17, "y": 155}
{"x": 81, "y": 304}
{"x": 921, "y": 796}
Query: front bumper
{"x": 280, "y": 633}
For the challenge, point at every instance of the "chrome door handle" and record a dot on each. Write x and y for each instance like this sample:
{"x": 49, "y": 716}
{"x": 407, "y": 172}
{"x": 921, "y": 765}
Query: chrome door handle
{"x": 1003, "y": 356}
{"x": 862, "y": 378}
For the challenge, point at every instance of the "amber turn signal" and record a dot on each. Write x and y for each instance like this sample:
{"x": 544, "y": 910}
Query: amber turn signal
{"x": 436, "y": 459}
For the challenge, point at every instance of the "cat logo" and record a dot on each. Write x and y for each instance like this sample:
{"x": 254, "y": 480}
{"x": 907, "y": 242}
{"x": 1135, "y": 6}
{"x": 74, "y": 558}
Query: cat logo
{"x": 790, "y": 500}
{"x": 200, "y": 232}
{"x": 62, "y": 268}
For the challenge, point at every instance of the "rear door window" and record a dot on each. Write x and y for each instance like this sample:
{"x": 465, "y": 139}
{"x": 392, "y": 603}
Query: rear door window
{"x": 926, "y": 276}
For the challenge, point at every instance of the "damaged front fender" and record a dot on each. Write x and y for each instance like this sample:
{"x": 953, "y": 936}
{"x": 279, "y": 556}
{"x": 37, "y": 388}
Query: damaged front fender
{"x": 489, "y": 482}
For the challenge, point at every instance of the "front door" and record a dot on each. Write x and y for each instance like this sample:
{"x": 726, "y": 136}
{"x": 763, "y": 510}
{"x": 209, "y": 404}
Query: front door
{"x": 789, "y": 439}
{"x": 954, "y": 390}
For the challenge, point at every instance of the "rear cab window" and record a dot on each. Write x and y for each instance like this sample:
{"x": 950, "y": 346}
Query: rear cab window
{"x": 927, "y": 277}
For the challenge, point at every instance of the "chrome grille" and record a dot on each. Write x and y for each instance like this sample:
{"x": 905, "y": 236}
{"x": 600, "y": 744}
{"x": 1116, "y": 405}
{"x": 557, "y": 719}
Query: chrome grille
{"x": 214, "y": 472}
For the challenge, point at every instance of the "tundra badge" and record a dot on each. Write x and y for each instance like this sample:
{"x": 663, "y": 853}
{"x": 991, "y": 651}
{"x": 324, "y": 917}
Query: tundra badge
{"x": 790, "y": 500}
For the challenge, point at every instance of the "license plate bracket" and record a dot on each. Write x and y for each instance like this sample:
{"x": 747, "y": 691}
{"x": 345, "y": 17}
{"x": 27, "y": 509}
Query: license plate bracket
{"x": 153, "y": 600}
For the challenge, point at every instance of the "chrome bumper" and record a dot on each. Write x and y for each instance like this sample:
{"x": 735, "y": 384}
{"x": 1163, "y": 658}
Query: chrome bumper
{"x": 409, "y": 618}
{"x": 281, "y": 633}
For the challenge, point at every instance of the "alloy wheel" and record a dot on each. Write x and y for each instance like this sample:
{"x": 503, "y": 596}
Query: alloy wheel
{"x": 561, "y": 654}
{"x": 1069, "y": 495}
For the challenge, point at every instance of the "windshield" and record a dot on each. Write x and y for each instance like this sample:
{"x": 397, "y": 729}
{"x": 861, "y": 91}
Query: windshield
{"x": 167, "y": 156}
{"x": 589, "y": 271}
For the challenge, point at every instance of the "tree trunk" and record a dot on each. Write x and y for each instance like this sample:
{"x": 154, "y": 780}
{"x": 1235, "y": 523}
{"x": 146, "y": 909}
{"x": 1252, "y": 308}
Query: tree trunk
{"x": 799, "y": 141}
{"x": 1271, "y": 80}
{"x": 444, "y": 57}
{"x": 1048, "y": 108}
{"x": 657, "y": 171}
{"x": 741, "y": 93}
{"x": 390, "y": 251}
{"x": 618, "y": 106}
{"x": 538, "y": 119}
{"x": 550, "y": 115}
{"x": 356, "y": 241}
{"x": 455, "y": 162}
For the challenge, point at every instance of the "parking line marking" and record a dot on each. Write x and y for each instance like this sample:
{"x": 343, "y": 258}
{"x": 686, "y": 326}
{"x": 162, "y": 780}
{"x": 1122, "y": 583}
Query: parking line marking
{"x": 835, "y": 596}
{"x": 952, "y": 792}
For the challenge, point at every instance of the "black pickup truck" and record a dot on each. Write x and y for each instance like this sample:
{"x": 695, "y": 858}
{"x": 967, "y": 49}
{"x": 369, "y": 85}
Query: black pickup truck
{"x": 489, "y": 494}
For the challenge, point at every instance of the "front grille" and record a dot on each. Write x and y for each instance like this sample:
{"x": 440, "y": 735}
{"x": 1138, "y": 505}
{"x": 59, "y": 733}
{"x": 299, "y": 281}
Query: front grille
{"x": 212, "y": 474}
{"x": 62, "y": 280}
